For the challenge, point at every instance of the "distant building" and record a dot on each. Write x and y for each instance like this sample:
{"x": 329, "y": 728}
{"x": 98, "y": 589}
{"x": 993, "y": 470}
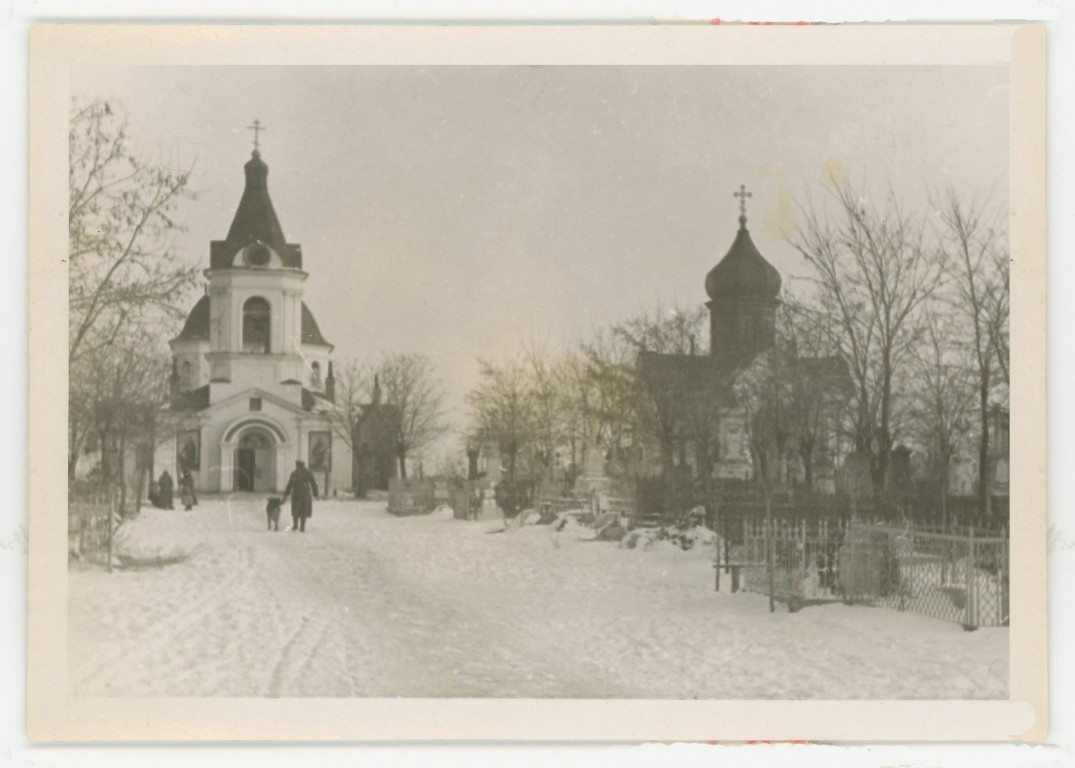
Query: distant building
{"x": 704, "y": 431}
{"x": 374, "y": 443}
{"x": 252, "y": 386}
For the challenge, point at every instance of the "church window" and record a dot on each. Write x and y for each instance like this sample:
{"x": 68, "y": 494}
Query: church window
{"x": 255, "y": 403}
{"x": 187, "y": 379}
{"x": 315, "y": 375}
{"x": 256, "y": 326}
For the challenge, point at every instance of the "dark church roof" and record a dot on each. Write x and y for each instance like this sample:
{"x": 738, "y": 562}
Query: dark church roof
{"x": 828, "y": 367}
{"x": 255, "y": 220}
{"x": 196, "y": 328}
{"x": 309, "y": 398}
{"x": 192, "y": 399}
{"x": 743, "y": 272}
{"x": 311, "y": 334}
{"x": 681, "y": 381}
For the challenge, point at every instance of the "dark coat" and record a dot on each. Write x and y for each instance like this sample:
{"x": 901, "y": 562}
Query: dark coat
{"x": 164, "y": 490}
{"x": 186, "y": 490}
{"x": 302, "y": 488}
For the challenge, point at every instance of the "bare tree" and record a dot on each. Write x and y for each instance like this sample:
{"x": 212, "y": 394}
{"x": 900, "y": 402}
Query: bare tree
{"x": 762, "y": 392}
{"x": 548, "y": 379}
{"x": 872, "y": 270}
{"x": 606, "y": 390}
{"x": 412, "y": 387}
{"x": 672, "y": 408}
{"x": 118, "y": 396}
{"x": 352, "y": 391}
{"x": 672, "y": 330}
{"x": 977, "y": 250}
{"x": 503, "y": 412}
{"x": 819, "y": 382}
{"x": 943, "y": 397}
{"x": 123, "y": 268}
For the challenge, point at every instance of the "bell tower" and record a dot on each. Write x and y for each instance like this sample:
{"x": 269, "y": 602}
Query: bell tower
{"x": 260, "y": 333}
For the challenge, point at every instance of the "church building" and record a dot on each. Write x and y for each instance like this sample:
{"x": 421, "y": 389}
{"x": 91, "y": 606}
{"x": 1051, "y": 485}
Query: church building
{"x": 702, "y": 430}
{"x": 252, "y": 389}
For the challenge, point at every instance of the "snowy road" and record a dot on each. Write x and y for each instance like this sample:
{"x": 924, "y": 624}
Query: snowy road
{"x": 365, "y": 604}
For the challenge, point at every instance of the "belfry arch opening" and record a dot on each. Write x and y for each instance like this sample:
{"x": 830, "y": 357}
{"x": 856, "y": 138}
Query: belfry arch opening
{"x": 257, "y": 326}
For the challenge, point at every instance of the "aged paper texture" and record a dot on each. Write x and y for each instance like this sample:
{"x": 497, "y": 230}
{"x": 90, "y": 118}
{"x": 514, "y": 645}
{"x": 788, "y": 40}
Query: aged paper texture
{"x": 84, "y": 685}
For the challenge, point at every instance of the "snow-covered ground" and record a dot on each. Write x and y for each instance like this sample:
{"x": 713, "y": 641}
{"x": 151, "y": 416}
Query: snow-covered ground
{"x": 366, "y": 604}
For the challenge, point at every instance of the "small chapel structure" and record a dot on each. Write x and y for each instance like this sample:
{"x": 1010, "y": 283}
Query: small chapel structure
{"x": 704, "y": 431}
{"x": 252, "y": 387}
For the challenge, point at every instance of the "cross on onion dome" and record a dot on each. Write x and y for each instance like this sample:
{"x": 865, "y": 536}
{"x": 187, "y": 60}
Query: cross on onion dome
{"x": 742, "y": 194}
{"x": 257, "y": 127}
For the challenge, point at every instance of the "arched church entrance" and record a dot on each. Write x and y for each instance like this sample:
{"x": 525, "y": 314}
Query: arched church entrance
{"x": 255, "y": 460}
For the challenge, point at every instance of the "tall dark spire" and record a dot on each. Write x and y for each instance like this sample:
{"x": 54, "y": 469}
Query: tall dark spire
{"x": 330, "y": 384}
{"x": 255, "y": 219}
{"x": 376, "y": 389}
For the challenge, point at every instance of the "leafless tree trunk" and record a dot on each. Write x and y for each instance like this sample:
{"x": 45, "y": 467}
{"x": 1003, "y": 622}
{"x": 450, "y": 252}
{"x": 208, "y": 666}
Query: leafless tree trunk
{"x": 977, "y": 252}
{"x": 123, "y": 271}
{"x": 872, "y": 270}
{"x": 943, "y": 397}
{"x": 414, "y": 390}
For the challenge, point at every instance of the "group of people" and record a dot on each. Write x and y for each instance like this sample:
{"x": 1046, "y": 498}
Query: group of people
{"x": 301, "y": 488}
{"x": 161, "y": 491}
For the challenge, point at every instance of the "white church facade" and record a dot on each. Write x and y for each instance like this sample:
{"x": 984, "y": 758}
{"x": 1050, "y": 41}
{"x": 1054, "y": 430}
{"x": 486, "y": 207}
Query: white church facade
{"x": 252, "y": 389}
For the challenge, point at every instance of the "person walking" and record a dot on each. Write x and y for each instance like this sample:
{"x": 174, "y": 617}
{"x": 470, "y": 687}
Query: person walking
{"x": 302, "y": 488}
{"x": 186, "y": 490}
{"x": 164, "y": 490}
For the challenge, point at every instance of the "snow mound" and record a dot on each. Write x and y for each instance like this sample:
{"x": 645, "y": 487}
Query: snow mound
{"x": 442, "y": 512}
{"x": 568, "y": 526}
{"x": 529, "y": 517}
{"x": 143, "y": 541}
{"x": 694, "y": 539}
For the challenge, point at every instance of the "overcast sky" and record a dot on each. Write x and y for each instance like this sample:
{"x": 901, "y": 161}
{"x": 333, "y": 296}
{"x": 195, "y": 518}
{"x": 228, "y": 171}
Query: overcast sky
{"x": 463, "y": 211}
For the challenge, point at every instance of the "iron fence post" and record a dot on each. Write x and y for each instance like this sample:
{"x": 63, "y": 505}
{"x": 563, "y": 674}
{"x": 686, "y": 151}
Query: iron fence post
{"x": 972, "y": 581}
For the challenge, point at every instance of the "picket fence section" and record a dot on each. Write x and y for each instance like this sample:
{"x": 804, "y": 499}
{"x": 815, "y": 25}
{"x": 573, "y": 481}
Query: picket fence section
{"x": 959, "y": 577}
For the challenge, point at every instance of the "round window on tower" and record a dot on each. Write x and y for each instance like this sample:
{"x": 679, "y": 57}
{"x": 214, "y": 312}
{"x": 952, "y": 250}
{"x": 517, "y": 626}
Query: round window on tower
{"x": 257, "y": 255}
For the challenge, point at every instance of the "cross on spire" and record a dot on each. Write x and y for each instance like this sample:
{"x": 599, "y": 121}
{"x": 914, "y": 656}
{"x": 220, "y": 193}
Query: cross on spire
{"x": 742, "y": 194}
{"x": 257, "y": 127}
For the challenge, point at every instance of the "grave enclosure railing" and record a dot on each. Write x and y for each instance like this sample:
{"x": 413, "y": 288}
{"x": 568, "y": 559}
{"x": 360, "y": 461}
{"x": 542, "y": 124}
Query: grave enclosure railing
{"x": 88, "y": 510}
{"x": 962, "y": 577}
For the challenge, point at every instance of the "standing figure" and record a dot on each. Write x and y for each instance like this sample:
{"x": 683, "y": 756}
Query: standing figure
{"x": 164, "y": 490}
{"x": 186, "y": 490}
{"x": 302, "y": 488}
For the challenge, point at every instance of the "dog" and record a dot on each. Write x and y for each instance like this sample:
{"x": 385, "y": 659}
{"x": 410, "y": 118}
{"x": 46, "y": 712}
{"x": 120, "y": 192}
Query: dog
{"x": 272, "y": 511}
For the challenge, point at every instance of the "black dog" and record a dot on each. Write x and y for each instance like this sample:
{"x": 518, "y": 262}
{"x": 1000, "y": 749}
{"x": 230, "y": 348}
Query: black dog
{"x": 272, "y": 511}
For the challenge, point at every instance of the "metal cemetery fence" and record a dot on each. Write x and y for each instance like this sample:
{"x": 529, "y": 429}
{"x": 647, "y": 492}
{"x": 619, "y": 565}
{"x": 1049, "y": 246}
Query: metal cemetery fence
{"x": 658, "y": 502}
{"x": 959, "y": 576}
{"x": 88, "y": 511}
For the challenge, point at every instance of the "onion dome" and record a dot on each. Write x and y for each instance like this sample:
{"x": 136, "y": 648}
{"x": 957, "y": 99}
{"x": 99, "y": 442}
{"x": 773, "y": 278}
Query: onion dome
{"x": 743, "y": 272}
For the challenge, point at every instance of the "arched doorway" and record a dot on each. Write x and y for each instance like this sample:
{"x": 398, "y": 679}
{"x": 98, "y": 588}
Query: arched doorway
{"x": 255, "y": 461}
